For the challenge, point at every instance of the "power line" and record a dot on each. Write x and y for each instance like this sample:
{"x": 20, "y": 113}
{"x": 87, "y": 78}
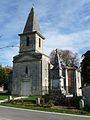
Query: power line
{"x": 8, "y": 46}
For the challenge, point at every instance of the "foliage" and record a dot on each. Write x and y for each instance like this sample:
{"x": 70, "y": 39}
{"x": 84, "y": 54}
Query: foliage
{"x": 74, "y": 101}
{"x": 85, "y": 68}
{"x": 23, "y": 102}
{"x": 68, "y": 57}
{"x": 50, "y": 103}
{"x": 60, "y": 101}
{"x": 5, "y": 75}
{"x": 47, "y": 104}
{"x": 46, "y": 98}
{"x": 2, "y": 76}
{"x": 2, "y": 97}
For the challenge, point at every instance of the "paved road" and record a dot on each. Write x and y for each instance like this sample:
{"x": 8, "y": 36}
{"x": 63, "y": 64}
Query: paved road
{"x": 20, "y": 114}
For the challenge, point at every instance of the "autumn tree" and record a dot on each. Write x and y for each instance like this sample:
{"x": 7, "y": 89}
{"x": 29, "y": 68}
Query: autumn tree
{"x": 67, "y": 57}
{"x": 85, "y": 68}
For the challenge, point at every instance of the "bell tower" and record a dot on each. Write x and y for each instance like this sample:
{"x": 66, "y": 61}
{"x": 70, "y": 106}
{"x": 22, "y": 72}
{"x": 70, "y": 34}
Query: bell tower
{"x": 31, "y": 40}
{"x": 31, "y": 65}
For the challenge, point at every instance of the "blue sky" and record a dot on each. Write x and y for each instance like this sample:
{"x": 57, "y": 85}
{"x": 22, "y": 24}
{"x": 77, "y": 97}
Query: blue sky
{"x": 64, "y": 23}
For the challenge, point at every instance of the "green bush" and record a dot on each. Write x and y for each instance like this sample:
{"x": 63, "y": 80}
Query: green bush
{"x": 60, "y": 101}
{"x": 46, "y": 98}
{"x": 75, "y": 101}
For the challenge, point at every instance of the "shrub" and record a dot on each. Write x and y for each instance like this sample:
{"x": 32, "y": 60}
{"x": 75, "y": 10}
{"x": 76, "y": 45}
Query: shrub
{"x": 75, "y": 101}
{"x": 46, "y": 98}
{"x": 60, "y": 101}
{"x": 50, "y": 103}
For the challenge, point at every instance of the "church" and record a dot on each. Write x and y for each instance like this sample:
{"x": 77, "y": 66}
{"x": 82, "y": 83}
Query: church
{"x": 33, "y": 73}
{"x": 30, "y": 67}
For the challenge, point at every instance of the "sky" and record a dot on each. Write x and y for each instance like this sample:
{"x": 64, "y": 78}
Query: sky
{"x": 64, "y": 23}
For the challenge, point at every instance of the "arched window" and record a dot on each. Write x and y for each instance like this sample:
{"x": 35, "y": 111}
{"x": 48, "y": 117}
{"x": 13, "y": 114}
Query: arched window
{"x": 27, "y": 41}
{"x": 39, "y": 42}
{"x": 26, "y": 70}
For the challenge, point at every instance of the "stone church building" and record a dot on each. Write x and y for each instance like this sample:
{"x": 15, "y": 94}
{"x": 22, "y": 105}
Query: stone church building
{"x": 32, "y": 71}
{"x": 30, "y": 67}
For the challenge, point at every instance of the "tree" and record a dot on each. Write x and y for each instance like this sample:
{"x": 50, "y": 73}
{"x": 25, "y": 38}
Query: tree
{"x": 68, "y": 57}
{"x": 8, "y": 74}
{"x": 5, "y": 76}
{"x": 2, "y": 76}
{"x": 85, "y": 68}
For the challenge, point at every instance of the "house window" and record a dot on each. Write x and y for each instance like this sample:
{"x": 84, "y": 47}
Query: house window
{"x": 27, "y": 41}
{"x": 26, "y": 70}
{"x": 39, "y": 42}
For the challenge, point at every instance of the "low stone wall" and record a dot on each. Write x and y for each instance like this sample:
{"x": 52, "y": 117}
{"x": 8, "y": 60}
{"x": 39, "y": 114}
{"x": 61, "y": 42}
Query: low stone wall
{"x": 86, "y": 94}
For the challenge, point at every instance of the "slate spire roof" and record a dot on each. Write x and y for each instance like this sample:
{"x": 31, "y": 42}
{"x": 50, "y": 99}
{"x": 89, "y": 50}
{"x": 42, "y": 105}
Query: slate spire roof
{"x": 32, "y": 23}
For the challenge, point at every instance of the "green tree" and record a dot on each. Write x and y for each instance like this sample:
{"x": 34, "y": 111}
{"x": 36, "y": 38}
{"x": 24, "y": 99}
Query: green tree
{"x": 5, "y": 76}
{"x": 8, "y": 74}
{"x": 68, "y": 57}
{"x": 2, "y": 76}
{"x": 85, "y": 68}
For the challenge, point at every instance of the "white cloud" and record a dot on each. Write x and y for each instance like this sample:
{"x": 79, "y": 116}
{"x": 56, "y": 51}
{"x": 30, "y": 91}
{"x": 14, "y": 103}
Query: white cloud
{"x": 6, "y": 55}
{"x": 65, "y": 24}
{"x": 74, "y": 41}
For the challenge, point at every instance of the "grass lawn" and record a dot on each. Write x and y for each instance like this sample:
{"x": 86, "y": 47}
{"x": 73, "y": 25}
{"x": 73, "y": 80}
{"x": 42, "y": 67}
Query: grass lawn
{"x": 30, "y": 105}
{"x": 59, "y": 110}
{"x": 31, "y": 98}
{"x": 2, "y": 97}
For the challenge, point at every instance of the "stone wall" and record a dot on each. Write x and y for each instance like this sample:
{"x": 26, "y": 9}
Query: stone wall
{"x": 45, "y": 74}
{"x": 33, "y": 76}
{"x": 23, "y": 46}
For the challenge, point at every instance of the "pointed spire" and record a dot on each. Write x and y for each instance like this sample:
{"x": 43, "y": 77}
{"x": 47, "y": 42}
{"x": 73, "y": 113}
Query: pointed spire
{"x": 32, "y": 23}
{"x": 57, "y": 60}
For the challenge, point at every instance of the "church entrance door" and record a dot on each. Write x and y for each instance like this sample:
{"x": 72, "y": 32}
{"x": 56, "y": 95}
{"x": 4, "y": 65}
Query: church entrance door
{"x": 25, "y": 88}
